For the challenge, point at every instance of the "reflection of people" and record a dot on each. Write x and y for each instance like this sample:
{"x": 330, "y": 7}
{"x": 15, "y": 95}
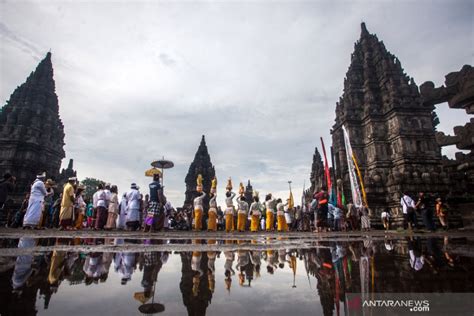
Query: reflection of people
{"x": 417, "y": 259}
{"x": 124, "y": 264}
{"x": 228, "y": 271}
{"x": 23, "y": 263}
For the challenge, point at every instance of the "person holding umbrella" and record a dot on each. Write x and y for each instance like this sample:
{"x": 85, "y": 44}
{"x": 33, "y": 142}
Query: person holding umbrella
{"x": 155, "y": 208}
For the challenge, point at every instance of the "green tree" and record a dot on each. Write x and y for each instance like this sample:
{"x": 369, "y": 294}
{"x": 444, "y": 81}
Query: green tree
{"x": 90, "y": 185}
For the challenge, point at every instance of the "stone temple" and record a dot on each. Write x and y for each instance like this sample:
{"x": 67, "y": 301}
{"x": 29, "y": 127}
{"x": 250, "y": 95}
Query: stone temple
{"x": 392, "y": 130}
{"x": 31, "y": 131}
{"x": 201, "y": 165}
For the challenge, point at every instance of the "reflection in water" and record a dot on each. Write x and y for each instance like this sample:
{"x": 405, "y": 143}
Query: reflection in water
{"x": 332, "y": 270}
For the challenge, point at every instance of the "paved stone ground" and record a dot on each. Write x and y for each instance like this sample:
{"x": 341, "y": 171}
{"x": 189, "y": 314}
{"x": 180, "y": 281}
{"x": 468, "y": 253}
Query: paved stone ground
{"x": 85, "y": 233}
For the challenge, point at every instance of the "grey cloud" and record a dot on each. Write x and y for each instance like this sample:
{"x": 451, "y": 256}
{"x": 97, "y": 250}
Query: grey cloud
{"x": 166, "y": 59}
{"x": 22, "y": 43}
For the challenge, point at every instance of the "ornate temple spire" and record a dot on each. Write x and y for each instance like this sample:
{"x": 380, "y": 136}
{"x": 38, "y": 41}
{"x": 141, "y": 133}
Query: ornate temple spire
{"x": 201, "y": 165}
{"x": 30, "y": 126}
{"x": 363, "y": 30}
{"x": 375, "y": 81}
{"x": 249, "y": 192}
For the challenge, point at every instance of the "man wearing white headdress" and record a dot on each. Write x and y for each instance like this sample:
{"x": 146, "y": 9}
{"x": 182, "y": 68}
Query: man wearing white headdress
{"x": 35, "y": 203}
{"x": 133, "y": 208}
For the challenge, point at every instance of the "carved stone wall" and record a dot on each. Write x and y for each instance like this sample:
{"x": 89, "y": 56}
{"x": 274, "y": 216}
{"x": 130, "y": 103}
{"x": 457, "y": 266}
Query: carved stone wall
{"x": 458, "y": 92}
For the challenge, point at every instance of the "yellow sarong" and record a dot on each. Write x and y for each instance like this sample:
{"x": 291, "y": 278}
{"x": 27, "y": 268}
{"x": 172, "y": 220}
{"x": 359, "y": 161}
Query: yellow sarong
{"x": 269, "y": 220}
{"x": 79, "y": 219}
{"x": 281, "y": 223}
{"x": 197, "y": 219}
{"x": 241, "y": 222}
{"x": 254, "y": 223}
{"x": 229, "y": 222}
{"x": 212, "y": 220}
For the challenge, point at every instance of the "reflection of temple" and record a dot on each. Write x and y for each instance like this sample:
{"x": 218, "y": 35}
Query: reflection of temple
{"x": 194, "y": 289}
{"x": 31, "y": 131}
{"x": 368, "y": 267}
{"x": 391, "y": 129}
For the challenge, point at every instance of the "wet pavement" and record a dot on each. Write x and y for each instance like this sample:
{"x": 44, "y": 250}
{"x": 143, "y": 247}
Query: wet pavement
{"x": 87, "y": 273}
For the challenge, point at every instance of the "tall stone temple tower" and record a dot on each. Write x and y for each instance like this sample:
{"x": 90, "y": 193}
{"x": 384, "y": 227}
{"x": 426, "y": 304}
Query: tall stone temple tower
{"x": 31, "y": 131}
{"x": 249, "y": 193}
{"x": 201, "y": 165}
{"x": 391, "y": 129}
{"x": 317, "y": 172}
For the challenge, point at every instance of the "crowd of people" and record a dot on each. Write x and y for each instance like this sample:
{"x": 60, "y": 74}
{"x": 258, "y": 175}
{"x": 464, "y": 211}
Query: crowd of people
{"x": 153, "y": 212}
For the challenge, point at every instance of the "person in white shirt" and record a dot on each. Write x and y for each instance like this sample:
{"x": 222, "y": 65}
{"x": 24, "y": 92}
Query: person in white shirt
{"x": 408, "y": 208}
{"x": 229, "y": 211}
{"x": 122, "y": 218}
{"x": 255, "y": 213}
{"x": 133, "y": 208}
{"x": 35, "y": 203}
{"x": 100, "y": 205}
{"x": 270, "y": 203}
{"x": 243, "y": 209}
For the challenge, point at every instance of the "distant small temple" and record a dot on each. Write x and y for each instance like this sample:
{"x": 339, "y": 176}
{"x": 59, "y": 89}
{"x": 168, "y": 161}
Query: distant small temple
{"x": 200, "y": 165}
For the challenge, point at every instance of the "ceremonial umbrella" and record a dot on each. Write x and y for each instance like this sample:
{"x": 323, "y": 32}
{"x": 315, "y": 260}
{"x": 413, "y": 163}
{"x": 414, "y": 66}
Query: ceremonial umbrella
{"x": 162, "y": 164}
{"x": 152, "y": 172}
{"x": 149, "y": 308}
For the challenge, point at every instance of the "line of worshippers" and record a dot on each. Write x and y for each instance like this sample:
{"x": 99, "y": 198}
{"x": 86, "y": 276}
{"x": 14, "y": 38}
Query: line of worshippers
{"x": 243, "y": 217}
{"x": 103, "y": 212}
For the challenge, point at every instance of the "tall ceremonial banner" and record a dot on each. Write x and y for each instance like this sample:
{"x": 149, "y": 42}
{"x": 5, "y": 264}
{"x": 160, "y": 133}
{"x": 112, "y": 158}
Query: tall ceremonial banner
{"x": 356, "y": 196}
{"x": 326, "y": 167}
{"x": 291, "y": 202}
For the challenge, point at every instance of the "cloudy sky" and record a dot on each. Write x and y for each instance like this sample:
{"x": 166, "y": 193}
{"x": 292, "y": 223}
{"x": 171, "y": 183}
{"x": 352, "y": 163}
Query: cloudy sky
{"x": 140, "y": 80}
